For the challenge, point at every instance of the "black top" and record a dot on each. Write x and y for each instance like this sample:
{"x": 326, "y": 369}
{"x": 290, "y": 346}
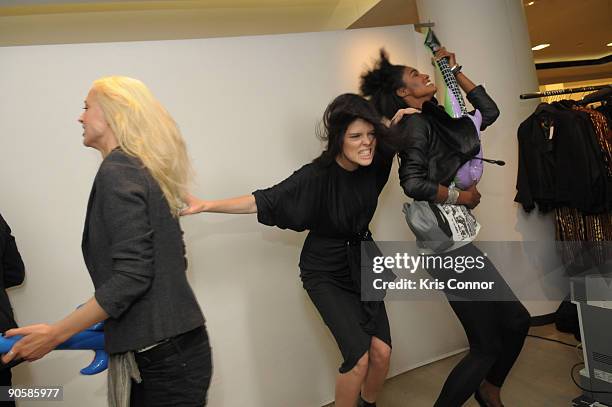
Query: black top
{"x": 430, "y": 141}
{"x": 134, "y": 251}
{"x": 567, "y": 170}
{"x": 337, "y": 206}
{"x": 12, "y": 273}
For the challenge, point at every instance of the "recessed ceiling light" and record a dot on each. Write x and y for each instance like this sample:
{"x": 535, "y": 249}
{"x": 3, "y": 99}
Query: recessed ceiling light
{"x": 539, "y": 47}
{"x": 609, "y": 44}
{"x": 531, "y": 3}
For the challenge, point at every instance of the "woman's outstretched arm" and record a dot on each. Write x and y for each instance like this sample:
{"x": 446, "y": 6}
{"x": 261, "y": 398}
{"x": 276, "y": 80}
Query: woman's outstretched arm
{"x": 241, "y": 204}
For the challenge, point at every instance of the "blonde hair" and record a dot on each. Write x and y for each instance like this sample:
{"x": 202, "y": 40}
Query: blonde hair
{"x": 145, "y": 129}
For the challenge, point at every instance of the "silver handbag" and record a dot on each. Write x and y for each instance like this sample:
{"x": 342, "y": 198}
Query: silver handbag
{"x": 439, "y": 226}
{"x": 428, "y": 224}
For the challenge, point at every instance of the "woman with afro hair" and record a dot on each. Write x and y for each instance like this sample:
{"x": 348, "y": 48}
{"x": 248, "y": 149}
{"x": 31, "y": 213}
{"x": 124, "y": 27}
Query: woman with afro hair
{"x": 495, "y": 330}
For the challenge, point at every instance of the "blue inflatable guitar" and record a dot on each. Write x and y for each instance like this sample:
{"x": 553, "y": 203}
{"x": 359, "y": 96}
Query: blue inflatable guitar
{"x": 90, "y": 339}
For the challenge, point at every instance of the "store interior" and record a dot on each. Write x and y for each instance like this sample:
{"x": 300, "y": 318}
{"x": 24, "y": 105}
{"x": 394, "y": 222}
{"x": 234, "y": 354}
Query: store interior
{"x": 247, "y": 80}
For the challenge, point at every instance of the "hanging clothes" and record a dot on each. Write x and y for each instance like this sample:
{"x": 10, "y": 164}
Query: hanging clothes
{"x": 603, "y": 133}
{"x": 574, "y": 227}
{"x": 565, "y": 165}
{"x": 606, "y": 110}
{"x": 571, "y": 224}
{"x": 560, "y": 162}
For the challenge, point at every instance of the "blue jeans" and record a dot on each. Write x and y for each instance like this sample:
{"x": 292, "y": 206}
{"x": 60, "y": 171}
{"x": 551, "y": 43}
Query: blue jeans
{"x": 174, "y": 374}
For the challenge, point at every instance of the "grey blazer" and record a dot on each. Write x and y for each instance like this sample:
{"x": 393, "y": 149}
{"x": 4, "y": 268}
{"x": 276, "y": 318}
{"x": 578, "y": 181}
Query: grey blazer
{"x": 134, "y": 251}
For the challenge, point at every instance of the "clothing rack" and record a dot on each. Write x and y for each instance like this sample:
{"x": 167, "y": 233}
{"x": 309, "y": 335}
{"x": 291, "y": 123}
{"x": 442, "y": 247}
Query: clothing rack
{"x": 562, "y": 91}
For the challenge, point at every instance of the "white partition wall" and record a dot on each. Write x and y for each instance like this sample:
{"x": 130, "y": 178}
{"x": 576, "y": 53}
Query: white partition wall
{"x": 248, "y": 108}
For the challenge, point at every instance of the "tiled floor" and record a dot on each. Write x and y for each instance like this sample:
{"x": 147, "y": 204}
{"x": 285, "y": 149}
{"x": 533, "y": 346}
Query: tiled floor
{"x": 540, "y": 377}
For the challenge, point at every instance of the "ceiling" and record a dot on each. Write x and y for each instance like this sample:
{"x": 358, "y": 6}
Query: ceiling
{"x": 206, "y": 3}
{"x": 47, "y": 22}
{"x": 389, "y": 12}
{"x": 576, "y": 29}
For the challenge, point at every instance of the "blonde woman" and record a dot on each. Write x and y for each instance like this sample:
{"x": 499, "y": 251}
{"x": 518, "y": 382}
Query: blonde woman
{"x": 134, "y": 251}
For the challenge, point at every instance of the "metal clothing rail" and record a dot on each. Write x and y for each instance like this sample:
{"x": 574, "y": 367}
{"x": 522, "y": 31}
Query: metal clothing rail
{"x": 562, "y": 91}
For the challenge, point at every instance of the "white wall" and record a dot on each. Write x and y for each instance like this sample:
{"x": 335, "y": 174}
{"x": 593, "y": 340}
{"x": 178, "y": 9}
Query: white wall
{"x": 248, "y": 108}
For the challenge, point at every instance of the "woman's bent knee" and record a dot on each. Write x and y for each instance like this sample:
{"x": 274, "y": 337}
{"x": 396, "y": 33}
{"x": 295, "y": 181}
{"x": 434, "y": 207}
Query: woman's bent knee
{"x": 380, "y": 353}
{"x": 361, "y": 367}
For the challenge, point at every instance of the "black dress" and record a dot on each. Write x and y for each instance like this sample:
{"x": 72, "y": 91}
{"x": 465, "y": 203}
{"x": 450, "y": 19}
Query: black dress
{"x": 337, "y": 206}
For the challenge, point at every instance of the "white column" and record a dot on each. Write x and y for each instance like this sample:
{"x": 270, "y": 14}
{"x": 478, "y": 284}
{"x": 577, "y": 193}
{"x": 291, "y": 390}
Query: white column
{"x": 491, "y": 41}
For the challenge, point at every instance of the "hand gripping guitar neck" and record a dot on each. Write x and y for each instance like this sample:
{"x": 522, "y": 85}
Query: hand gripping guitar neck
{"x": 469, "y": 173}
{"x": 90, "y": 339}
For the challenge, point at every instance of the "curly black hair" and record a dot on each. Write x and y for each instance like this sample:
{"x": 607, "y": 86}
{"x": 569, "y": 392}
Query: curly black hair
{"x": 381, "y": 83}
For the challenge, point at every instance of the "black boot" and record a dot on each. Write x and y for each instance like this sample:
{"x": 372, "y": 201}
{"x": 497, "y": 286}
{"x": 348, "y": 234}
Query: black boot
{"x": 363, "y": 403}
{"x": 479, "y": 399}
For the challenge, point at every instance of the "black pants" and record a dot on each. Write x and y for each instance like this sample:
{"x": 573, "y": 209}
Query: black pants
{"x": 5, "y": 380}
{"x": 496, "y": 331}
{"x": 174, "y": 374}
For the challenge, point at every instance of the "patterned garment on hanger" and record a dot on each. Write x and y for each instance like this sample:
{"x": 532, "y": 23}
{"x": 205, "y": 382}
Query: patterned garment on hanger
{"x": 574, "y": 226}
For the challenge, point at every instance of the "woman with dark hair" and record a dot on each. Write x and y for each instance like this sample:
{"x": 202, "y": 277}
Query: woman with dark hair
{"x": 335, "y": 197}
{"x": 495, "y": 330}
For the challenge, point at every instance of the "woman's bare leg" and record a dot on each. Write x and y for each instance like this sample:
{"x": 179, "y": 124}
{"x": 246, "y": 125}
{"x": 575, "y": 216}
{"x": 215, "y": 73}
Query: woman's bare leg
{"x": 348, "y": 385}
{"x": 380, "y": 355}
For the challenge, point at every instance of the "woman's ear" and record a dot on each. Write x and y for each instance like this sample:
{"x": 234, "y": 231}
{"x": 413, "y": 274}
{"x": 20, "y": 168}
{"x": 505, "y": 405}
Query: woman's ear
{"x": 402, "y": 92}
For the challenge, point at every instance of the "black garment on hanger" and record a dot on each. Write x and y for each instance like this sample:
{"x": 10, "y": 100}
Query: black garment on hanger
{"x": 562, "y": 168}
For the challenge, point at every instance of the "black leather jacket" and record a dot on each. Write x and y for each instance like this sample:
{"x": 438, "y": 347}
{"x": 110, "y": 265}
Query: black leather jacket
{"x": 430, "y": 141}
